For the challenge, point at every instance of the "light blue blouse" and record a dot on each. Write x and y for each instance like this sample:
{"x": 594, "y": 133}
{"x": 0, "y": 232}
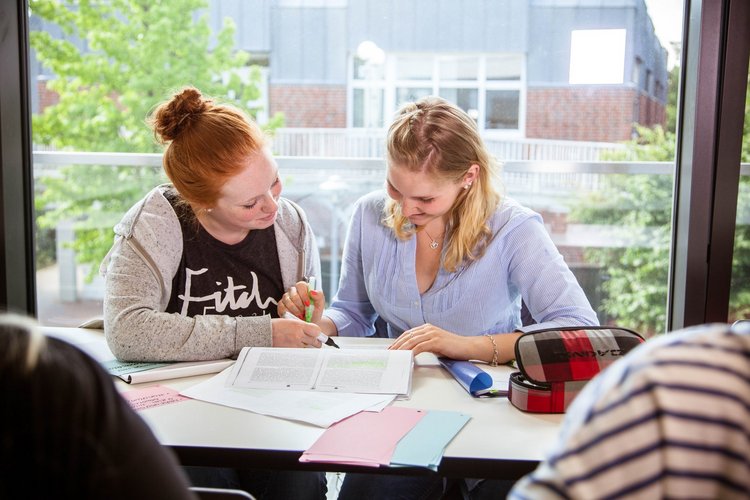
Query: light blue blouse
{"x": 378, "y": 277}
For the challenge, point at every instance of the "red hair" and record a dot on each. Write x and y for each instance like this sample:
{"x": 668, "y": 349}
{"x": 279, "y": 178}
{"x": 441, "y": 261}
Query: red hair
{"x": 206, "y": 143}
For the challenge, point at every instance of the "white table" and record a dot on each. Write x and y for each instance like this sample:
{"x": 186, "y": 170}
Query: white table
{"x": 498, "y": 442}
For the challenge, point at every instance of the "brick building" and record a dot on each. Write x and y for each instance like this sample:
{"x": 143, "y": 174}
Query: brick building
{"x": 521, "y": 68}
{"x": 514, "y": 65}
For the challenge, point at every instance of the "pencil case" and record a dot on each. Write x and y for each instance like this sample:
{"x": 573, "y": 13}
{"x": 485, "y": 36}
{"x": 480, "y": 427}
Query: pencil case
{"x": 555, "y": 364}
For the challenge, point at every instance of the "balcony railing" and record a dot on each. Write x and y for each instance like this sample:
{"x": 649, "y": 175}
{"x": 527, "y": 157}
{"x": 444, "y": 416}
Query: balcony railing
{"x": 369, "y": 143}
{"x": 326, "y": 188}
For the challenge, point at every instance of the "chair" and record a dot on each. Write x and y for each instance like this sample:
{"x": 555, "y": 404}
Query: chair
{"x": 204, "y": 493}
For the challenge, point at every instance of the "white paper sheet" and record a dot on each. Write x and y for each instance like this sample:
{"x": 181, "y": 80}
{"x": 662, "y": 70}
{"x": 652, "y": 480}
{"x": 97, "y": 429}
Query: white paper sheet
{"x": 315, "y": 407}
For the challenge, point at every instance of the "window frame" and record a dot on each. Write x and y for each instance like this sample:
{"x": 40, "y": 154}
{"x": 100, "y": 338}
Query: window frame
{"x": 711, "y": 114}
{"x": 17, "y": 270}
{"x": 390, "y": 85}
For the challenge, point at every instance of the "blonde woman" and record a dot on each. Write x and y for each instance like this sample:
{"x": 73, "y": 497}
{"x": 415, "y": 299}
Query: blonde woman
{"x": 441, "y": 256}
{"x": 445, "y": 261}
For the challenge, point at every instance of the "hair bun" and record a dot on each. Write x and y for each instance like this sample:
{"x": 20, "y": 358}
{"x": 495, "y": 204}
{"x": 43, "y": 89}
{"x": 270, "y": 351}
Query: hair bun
{"x": 179, "y": 113}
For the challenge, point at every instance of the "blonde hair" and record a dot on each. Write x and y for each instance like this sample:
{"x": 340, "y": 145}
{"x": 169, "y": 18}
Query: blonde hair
{"x": 434, "y": 136}
{"x": 206, "y": 143}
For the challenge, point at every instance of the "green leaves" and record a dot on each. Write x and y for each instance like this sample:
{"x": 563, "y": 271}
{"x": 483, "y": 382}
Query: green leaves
{"x": 635, "y": 292}
{"x": 120, "y": 59}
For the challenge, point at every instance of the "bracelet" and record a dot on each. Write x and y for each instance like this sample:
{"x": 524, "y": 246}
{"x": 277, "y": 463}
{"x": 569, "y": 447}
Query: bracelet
{"x": 494, "y": 349}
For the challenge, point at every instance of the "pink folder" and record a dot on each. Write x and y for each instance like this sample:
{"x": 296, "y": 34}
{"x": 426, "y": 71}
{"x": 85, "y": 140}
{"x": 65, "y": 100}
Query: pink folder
{"x": 367, "y": 438}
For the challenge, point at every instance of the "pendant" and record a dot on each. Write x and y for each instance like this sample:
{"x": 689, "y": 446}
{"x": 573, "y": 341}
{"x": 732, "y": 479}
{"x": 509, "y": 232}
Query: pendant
{"x": 434, "y": 245}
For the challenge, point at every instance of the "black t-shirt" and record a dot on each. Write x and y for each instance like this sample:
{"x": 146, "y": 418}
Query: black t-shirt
{"x": 243, "y": 279}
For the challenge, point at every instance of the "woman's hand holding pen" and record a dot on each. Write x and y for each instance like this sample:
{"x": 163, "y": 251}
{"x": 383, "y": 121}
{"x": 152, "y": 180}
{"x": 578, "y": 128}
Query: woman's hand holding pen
{"x": 294, "y": 333}
{"x": 298, "y": 298}
{"x": 294, "y": 303}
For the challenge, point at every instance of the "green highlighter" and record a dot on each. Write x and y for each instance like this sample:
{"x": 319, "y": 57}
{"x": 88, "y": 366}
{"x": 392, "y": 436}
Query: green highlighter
{"x": 311, "y": 285}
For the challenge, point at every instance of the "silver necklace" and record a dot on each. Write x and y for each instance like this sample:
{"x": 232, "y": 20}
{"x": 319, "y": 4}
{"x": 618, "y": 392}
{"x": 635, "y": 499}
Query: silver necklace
{"x": 433, "y": 242}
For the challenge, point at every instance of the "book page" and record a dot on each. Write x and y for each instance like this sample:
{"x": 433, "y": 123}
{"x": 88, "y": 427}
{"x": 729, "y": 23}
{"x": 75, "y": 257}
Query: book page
{"x": 274, "y": 368}
{"x": 367, "y": 371}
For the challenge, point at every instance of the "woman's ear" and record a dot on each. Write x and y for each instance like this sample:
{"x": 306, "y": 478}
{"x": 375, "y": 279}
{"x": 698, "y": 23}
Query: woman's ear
{"x": 471, "y": 175}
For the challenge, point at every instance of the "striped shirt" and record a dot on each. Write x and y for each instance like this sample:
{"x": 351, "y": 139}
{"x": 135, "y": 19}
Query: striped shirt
{"x": 670, "y": 420}
{"x": 378, "y": 277}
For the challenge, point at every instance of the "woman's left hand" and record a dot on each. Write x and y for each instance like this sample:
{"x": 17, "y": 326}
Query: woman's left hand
{"x": 297, "y": 298}
{"x": 430, "y": 338}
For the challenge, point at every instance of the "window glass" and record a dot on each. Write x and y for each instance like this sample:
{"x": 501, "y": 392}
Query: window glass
{"x": 460, "y": 80}
{"x": 597, "y": 56}
{"x": 368, "y": 70}
{"x": 466, "y": 99}
{"x": 406, "y": 94}
{"x": 414, "y": 67}
{"x": 459, "y": 68}
{"x": 507, "y": 67}
{"x": 502, "y": 109}
{"x": 358, "y": 108}
{"x": 739, "y": 296}
{"x": 590, "y": 152}
{"x": 368, "y": 108}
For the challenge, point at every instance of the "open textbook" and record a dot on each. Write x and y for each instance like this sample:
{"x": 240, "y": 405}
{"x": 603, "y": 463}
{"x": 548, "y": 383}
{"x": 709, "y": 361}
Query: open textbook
{"x": 368, "y": 371}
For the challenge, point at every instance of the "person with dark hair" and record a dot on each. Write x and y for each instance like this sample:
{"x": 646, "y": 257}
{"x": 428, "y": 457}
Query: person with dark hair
{"x": 67, "y": 432}
{"x": 445, "y": 261}
{"x": 197, "y": 266}
{"x": 669, "y": 420}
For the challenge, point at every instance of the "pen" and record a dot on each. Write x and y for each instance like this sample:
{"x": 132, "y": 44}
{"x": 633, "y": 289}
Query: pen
{"x": 490, "y": 393}
{"x": 311, "y": 285}
{"x": 327, "y": 340}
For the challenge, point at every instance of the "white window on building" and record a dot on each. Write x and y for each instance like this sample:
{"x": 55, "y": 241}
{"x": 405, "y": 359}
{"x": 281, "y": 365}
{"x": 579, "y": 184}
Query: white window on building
{"x": 597, "y": 56}
{"x": 489, "y": 87}
{"x": 367, "y": 106}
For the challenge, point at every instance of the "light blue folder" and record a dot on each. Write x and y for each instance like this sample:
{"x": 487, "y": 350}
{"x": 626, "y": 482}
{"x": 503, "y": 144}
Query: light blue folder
{"x": 424, "y": 445}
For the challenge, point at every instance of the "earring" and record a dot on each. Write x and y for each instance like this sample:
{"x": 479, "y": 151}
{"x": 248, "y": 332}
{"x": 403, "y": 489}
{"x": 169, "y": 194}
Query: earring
{"x": 467, "y": 186}
{"x": 209, "y": 210}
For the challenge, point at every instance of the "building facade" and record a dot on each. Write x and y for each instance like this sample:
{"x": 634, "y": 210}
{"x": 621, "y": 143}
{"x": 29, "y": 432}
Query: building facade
{"x": 579, "y": 70}
{"x": 583, "y": 70}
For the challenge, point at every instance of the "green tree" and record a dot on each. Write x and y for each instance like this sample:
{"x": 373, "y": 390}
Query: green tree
{"x": 635, "y": 288}
{"x": 635, "y": 291}
{"x": 673, "y": 80}
{"x": 739, "y": 299}
{"x": 136, "y": 53}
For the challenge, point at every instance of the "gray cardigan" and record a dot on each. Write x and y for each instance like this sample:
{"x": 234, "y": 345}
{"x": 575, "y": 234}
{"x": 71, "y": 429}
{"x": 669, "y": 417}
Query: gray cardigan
{"x": 138, "y": 273}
